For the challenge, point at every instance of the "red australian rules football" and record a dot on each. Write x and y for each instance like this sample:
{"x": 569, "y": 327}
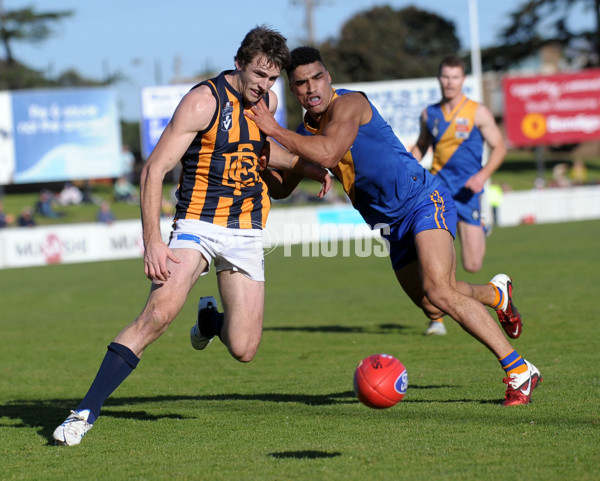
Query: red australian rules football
{"x": 380, "y": 381}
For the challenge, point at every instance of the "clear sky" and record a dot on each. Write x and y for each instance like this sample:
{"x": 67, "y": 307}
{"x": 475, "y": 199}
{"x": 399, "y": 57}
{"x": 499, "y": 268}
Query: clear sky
{"x": 149, "y": 41}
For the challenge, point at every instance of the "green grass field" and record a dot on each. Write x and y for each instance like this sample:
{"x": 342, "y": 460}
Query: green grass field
{"x": 291, "y": 413}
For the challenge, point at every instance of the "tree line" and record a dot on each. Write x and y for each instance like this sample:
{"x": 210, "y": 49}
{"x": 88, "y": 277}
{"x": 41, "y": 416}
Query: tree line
{"x": 376, "y": 44}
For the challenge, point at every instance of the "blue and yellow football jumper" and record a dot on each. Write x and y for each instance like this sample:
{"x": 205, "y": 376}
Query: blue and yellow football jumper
{"x": 457, "y": 151}
{"x": 219, "y": 181}
{"x": 383, "y": 181}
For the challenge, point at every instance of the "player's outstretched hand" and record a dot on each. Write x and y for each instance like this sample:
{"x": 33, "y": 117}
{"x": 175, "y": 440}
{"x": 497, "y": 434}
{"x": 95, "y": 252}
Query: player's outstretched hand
{"x": 325, "y": 186}
{"x": 156, "y": 257}
{"x": 320, "y": 174}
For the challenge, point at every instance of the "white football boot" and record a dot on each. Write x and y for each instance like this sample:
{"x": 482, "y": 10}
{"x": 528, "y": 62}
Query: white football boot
{"x": 72, "y": 430}
{"x": 436, "y": 328}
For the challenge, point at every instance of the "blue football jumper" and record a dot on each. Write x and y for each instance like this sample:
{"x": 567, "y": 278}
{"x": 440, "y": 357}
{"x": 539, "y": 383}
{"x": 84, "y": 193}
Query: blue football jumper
{"x": 382, "y": 179}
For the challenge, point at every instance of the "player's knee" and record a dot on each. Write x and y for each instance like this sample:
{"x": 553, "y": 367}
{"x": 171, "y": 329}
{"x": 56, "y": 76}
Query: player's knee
{"x": 431, "y": 311}
{"x": 472, "y": 265}
{"x": 243, "y": 350}
{"x": 438, "y": 301}
{"x": 243, "y": 355}
{"x": 155, "y": 319}
{"x": 472, "y": 257}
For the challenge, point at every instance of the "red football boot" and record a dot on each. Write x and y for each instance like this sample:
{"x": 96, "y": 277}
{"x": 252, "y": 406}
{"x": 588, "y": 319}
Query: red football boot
{"x": 520, "y": 386}
{"x": 508, "y": 314}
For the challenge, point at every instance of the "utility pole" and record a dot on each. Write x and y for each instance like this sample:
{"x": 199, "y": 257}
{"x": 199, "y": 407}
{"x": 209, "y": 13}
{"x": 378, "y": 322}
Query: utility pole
{"x": 310, "y": 28}
{"x": 309, "y": 10}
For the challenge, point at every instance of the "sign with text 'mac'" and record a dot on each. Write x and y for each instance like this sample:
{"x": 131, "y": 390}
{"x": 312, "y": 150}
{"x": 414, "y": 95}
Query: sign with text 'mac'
{"x": 552, "y": 109}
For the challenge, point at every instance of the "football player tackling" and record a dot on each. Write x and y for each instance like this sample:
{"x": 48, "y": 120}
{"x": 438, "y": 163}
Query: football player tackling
{"x": 394, "y": 193}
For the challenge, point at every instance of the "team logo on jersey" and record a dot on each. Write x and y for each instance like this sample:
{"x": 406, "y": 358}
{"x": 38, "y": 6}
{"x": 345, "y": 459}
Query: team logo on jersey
{"x": 226, "y": 117}
{"x": 436, "y": 128}
{"x": 462, "y": 128}
{"x": 475, "y": 214}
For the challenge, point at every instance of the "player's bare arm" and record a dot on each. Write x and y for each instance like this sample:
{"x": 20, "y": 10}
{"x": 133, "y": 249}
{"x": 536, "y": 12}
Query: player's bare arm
{"x": 346, "y": 115}
{"x": 280, "y": 183}
{"x": 273, "y": 101}
{"x": 285, "y": 161}
{"x": 491, "y": 133}
{"x": 423, "y": 141}
{"x": 192, "y": 115}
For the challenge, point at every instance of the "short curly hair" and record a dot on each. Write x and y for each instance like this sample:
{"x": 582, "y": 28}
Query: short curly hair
{"x": 303, "y": 56}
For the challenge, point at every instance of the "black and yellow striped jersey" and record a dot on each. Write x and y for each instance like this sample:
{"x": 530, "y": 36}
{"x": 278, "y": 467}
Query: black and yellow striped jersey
{"x": 219, "y": 181}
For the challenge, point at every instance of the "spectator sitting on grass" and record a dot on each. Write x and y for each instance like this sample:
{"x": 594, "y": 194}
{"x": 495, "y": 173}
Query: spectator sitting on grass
{"x": 3, "y": 218}
{"x": 105, "y": 215}
{"x": 70, "y": 195}
{"x": 45, "y": 205}
{"x": 124, "y": 191}
{"x": 26, "y": 218}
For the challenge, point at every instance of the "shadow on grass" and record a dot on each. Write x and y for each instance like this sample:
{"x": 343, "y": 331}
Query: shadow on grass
{"x": 381, "y": 328}
{"x": 47, "y": 414}
{"x": 305, "y": 454}
{"x": 452, "y": 401}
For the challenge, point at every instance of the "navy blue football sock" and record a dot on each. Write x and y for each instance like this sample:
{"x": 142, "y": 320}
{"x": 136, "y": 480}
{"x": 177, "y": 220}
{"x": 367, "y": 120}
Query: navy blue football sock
{"x": 211, "y": 323}
{"x": 118, "y": 363}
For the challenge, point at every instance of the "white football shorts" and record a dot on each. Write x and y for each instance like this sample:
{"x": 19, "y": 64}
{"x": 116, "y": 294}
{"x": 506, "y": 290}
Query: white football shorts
{"x": 239, "y": 250}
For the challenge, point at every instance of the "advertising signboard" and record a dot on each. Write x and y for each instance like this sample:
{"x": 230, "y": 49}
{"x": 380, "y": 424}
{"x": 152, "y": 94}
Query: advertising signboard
{"x": 59, "y": 135}
{"x": 158, "y": 104}
{"x": 401, "y": 102}
{"x": 552, "y": 109}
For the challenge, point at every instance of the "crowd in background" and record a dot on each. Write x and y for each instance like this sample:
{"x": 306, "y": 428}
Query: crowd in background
{"x": 54, "y": 205}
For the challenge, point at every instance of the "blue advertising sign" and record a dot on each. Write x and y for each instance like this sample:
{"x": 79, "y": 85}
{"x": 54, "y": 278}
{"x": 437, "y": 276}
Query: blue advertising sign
{"x": 158, "y": 104}
{"x": 401, "y": 102}
{"x": 67, "y": 134}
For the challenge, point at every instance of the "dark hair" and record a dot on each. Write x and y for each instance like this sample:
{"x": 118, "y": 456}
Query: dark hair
{"x": 262, "y": 40}
{"x": 303, "y": 56}
{"x": 451, "y": 61}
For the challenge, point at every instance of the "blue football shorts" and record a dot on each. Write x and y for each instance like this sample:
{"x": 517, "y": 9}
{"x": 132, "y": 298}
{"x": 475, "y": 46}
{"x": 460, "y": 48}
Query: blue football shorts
{"x": 468, "y": 206}
{"x": 437, "y": 212}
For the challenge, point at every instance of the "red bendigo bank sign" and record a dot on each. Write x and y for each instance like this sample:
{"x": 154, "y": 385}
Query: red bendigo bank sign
{"x": 552, "y": 109}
